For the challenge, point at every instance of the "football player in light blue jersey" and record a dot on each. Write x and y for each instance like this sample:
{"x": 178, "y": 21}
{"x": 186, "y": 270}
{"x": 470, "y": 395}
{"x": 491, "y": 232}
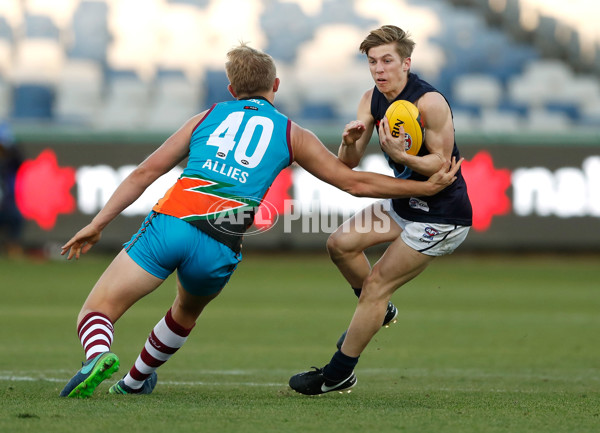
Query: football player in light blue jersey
{"x": 235, "y": 151}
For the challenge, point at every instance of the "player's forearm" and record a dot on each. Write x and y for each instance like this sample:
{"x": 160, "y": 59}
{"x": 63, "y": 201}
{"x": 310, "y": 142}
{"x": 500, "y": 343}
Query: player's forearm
{"x": 118, "y": 202}
{"x": 125, "y": 194}
{"x": 382, "y": 186}
{"x": 349, "y": 155}
{"x": 425, "y": 165}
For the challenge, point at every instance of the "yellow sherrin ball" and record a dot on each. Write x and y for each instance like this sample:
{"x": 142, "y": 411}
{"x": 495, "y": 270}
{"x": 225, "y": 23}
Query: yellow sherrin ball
{"x": 406, "y": 113}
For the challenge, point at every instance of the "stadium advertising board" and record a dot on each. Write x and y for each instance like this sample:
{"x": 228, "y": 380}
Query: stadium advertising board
{"x": 531, "y": 196}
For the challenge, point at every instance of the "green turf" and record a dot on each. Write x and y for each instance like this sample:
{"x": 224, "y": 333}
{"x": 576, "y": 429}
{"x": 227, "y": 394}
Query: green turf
{"x": 483, "y": 344}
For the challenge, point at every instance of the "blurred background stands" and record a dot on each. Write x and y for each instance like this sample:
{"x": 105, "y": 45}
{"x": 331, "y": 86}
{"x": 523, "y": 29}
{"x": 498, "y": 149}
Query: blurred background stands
{"x": 505, "y": 65}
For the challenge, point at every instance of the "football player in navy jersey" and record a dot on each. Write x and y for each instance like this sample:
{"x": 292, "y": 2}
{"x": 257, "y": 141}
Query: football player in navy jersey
{"x": 422, "y": 228}
{"x": 234, "y": 151}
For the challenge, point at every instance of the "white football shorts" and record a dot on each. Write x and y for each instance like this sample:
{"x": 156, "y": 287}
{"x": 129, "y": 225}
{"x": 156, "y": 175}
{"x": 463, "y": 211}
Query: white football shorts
{"x": 429, "y": 238}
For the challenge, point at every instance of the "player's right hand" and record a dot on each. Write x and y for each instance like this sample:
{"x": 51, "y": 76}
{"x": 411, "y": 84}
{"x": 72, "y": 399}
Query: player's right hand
{"x": 82, "y": 242}
{"x": 352, "y": 132}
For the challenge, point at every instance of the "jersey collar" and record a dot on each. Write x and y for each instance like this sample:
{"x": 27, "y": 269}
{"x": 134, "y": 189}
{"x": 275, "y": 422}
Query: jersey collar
{"x": 257, "y": 97}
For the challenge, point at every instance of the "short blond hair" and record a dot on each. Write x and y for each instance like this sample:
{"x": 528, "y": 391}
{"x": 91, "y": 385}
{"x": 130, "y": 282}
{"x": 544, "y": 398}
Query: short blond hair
{"x": 386, "y": 35}
{"x": 250, "y": 71}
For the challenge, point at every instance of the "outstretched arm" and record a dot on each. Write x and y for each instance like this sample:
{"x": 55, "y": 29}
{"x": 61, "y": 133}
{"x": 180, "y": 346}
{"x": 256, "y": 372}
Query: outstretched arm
{"x": 163, "y": 159}
{"x": 313, "y": 156}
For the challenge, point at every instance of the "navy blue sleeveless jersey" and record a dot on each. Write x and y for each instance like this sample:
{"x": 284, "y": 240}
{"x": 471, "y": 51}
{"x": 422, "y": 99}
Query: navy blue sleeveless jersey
{"x": 449, "y": 206}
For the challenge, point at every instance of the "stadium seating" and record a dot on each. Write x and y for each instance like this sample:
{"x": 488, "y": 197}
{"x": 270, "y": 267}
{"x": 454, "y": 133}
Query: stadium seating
{"x": 89, "y": 32}
{"x": 5, "y": 99}
{"x": 40, "y": 26}
{"x": 32, "y": 102}
{"x": 79, "y": 92}
{"x": 6, "y": 32}
{"x": 497, "y": 120}
{"x": 480, "y": 89}
{"x": 126, "y": 101}
{"x": 174, "y": 99}
{"x": 106, "y": 64}
{"x": 216, "y": 87}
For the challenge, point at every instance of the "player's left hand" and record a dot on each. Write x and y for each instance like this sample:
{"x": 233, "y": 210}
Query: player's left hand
{"x": 395, "y": 147}
{"x": 82, "y": 242}
{"x": 445, "y": 176}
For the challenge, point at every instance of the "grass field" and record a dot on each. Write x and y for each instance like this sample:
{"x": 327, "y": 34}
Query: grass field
{"x": 483, "y": 344}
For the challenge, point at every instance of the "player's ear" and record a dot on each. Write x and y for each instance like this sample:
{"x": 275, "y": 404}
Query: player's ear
{"x": 407, "y": 62}
{"x": 276, "y": 85}
{"x": 230, "y": 88}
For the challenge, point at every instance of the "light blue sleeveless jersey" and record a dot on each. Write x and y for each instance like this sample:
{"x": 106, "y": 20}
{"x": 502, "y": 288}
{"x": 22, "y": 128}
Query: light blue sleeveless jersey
{"x": 236, "y": 152}
{"x": 242, "y": 143}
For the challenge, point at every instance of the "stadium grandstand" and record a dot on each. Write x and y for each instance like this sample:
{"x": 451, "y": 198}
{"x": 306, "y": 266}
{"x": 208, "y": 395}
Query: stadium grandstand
{"x": 505, "y": 65}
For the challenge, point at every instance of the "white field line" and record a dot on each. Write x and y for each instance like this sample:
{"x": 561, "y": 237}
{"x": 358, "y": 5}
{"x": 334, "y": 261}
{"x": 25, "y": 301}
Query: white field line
{"x": 270, "y": 385}
{"x": 62, "y": 376}
{"x": 14, "y": 378}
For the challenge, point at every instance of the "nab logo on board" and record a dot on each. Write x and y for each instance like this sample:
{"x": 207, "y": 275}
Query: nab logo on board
{"x": 42, "y": 189}
{"x": 45, "y": 190}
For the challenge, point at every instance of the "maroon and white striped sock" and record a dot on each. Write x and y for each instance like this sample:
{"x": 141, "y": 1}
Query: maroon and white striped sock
{"x": 96, "y": 334}
{"x": 164, "y": 340}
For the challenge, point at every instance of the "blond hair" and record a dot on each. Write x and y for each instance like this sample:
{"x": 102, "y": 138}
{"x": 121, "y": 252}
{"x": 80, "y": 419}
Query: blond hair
{"x": 387, "y": 35}
{"x": 250, "y": 71}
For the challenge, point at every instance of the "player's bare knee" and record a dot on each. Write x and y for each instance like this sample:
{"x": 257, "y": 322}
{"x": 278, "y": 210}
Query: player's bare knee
{"x": 187, "y": 308}
{"x": 374, "y": 279}
{"x": 339, "y": 245}
{"x": 332, "y": 246}
{"x": 375, "y": 287}
{"x": 108, "y": 312}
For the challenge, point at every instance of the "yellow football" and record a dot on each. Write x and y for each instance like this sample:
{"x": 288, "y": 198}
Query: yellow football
{"x": 406, "y": 113}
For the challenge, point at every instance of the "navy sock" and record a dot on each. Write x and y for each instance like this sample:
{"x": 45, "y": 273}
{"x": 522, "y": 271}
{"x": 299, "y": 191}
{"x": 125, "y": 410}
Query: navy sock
{"x": 357, "y": 291}
{"x": 340, "y": 366}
